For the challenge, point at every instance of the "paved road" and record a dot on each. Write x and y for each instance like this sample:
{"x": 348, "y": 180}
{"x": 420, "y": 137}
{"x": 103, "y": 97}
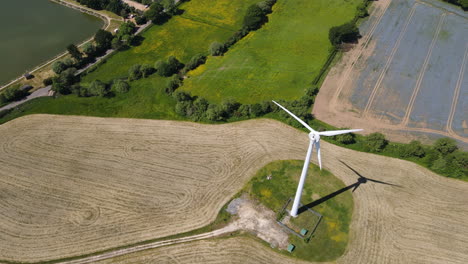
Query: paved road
{"x": 38, "y": 93}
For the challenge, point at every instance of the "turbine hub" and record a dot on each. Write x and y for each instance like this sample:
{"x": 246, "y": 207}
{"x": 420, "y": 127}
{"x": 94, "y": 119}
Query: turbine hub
{"x": 314, "y": 136}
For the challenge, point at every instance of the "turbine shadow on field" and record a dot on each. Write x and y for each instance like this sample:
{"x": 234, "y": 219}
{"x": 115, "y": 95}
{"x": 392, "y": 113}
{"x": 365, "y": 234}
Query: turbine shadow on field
{"x": 354, "y": 186}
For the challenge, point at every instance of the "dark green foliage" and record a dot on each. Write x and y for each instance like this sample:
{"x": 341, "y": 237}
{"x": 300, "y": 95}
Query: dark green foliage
{"x": 120, "y": 86}
{"x": 195, "y": 61}
{"x": 140, "y": 20}
{"x": 97, "y": 88}
{"x": 362, "y": 10}
{"x": 58, "y": 67}
{"x": 169, "y": 67}
{"x": 103, "y": 39}
{"x": 445, "y": 146}
{"x": 116, "y": 43}
{"x": 413, "y": 149}
{"x": 127, "y": 28}
{"x": 216, "y": 49}
{"x": 115, "y": 6}
{"x": 254, "y": 18}
{"x": 89, "y": 49}
{"x": 345, "y": 33}
{"x": 156, "y": 14}
{"x": 12, "y": 93}
{"x": 47, "y": 81}
{"x": 147, "y": 70}
{"x": 376, "y": 142}
{"x": 74, "y": 52}
{"x": 173, "y": 84}
{"x": 135, "y": 73}
{"x": 346, "y": 139}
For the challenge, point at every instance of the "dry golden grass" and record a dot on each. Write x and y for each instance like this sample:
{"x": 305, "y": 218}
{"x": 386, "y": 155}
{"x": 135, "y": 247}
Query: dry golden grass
{"x": 75, "y": 185}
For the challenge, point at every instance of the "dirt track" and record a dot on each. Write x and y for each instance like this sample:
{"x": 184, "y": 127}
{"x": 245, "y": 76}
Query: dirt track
{"x": 95, "y": 183}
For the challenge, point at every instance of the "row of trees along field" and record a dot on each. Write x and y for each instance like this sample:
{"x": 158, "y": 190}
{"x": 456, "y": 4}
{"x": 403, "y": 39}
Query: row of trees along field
{"x": 462, "y": 3}
{"x": 117, "y": 7}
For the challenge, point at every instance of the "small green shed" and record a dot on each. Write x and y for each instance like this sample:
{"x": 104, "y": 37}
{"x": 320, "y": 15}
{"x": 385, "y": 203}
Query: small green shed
{"x": 304, "y": 232}
{"x": 291, "y": 247}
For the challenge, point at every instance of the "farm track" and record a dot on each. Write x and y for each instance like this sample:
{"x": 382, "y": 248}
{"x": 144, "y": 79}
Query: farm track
{"x": 389, "y": 61}
{"x": 456, "y": 94}
{"x": 409, "y": 109}
{"x": 96, "y": 183}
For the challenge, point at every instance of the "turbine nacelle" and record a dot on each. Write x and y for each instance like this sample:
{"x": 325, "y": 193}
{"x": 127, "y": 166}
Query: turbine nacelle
{"x": 314, "y": 137}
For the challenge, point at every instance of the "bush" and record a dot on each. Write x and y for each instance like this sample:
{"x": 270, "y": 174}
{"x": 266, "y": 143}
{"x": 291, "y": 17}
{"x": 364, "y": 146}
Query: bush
{"x": 195, "y": 61}
{"x": 376, "y": 142}
{"x": 346, "y": 139}
{"x": 89, "y": 49}
{"x": 98, "y": 88}
{"x": 146, "y": 70}
{"x": 254, "y": 18}
{"x": 362, "y": 10}
{"x": 413, "y": 149}
{"x": 216, "y": 49}
{"x": 345, "y": 33}
{"x": 134, "y": 73}
{"x": 140, "y": 20}
{"x": 173, "y": 84}
{"x": 47, "y": 81}
{"x": 12, "y": 93}
{"x": 120, "y": 86}
{"x": 58, "y": 67}
{"x": 168, "y": 68}
{"x": 445, "y": 145}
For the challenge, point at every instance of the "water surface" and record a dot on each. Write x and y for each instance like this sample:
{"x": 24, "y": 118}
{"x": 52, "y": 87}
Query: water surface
{"x": 34, "y": 31}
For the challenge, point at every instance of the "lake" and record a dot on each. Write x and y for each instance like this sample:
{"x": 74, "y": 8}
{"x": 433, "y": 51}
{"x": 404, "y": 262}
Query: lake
{"x": 34, "y": 31}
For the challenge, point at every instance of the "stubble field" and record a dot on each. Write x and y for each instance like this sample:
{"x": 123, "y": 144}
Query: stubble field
{"x": 75, "y": 185}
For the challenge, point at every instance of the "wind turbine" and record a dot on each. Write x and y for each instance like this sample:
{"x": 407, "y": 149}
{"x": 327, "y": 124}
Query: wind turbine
{"x": 314, "y": 137}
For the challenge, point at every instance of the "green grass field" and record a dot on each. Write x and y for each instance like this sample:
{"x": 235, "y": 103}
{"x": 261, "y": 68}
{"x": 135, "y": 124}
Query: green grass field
{"x": 332, "y": 235}
{"x": 202, "y": 22}
{"x": 279, "y": 60}
{"x": 183, "y": 36}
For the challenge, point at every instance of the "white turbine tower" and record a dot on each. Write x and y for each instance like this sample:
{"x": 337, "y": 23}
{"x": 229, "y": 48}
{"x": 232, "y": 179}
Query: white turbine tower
{"x": 314, "y": 137}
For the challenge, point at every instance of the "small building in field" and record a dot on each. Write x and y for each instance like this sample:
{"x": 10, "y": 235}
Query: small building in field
{"x": 28, "y": 76}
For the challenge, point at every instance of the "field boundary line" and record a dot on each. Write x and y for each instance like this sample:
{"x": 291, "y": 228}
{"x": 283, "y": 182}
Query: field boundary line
{"x": 368, "y": 37}
{"x": 419, "y": 81}
{"x": 389, "y": 61}
{"x": 456, "y": 94}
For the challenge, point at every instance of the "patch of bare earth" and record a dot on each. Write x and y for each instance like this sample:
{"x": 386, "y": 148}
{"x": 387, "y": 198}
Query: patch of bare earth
{"x": 333, "y": 106}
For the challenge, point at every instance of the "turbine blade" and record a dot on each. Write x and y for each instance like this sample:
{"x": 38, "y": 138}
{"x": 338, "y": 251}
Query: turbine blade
{"x": 319, "y": 158}
{"x": 338, "y": 132}
{"x": 297, "y": 118}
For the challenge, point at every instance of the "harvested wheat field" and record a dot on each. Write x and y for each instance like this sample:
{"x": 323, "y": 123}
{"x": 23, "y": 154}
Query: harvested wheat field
{"x": 76, "y": 185}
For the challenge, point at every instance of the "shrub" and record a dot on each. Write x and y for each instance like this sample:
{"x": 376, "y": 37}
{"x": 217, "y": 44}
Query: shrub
{"x": 135, "y": 72}
{"x": 140, "y": 20}
{"x": 346, "y": 139}
{"x": 345, "y": 33}
{"x": 376, "y": 142}
{"x": 362, "y": 10}
{"x": 120, "y": 86}
{"x": 146, "y": 70}
{"x": 58, "y": 67}
{"x": 254, "y": 18}
{"x": 98, "y": 88}
{"x": 195, "y": 61}
{"x": 47, "y": 81}
{"x": 12, "y": 93}
{"x": 445, "y": 145}
{"x": 413, "y": 149}
{"x": 173, "y": 84}
{"x": 216, "y": 49}
{"x": 89, "y": 49}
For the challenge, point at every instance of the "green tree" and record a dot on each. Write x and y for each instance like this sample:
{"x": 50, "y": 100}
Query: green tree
{"x": 146, "y": 70}
{"x": 120, "y": 86}
{"x": 116, "y": 43}
{"x": 376, "y": 142}
{"x": 347, "y": 32}
{"x": 173, "y": 84}
{"x": 74, "y": 52}
{"x": 103, "y": 39}
{"x": 89, "y": 49}
{"x": 98, "y": 88}
{"x": 216, "y": 49}
{"x": 413, "y": 149}
{"x": 445, "y": 145}
{"x": 362, "y": 10}
{"x": 162, "y": 68}
{"x": 135, "y": 73}
{"x": 127, "y": 28}
{"x": 195, "y": 61}
{"x": 155, "y": 13}
{"x": 115, "y": 6}
{"x": 12, "y": 93}
{"x": 254, "y": 18}
{"x": 346, "y": 139}
{"x": 58, "y": 67}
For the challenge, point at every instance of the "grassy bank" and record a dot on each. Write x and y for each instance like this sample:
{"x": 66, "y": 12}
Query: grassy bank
{"x": 277, "y": 61}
